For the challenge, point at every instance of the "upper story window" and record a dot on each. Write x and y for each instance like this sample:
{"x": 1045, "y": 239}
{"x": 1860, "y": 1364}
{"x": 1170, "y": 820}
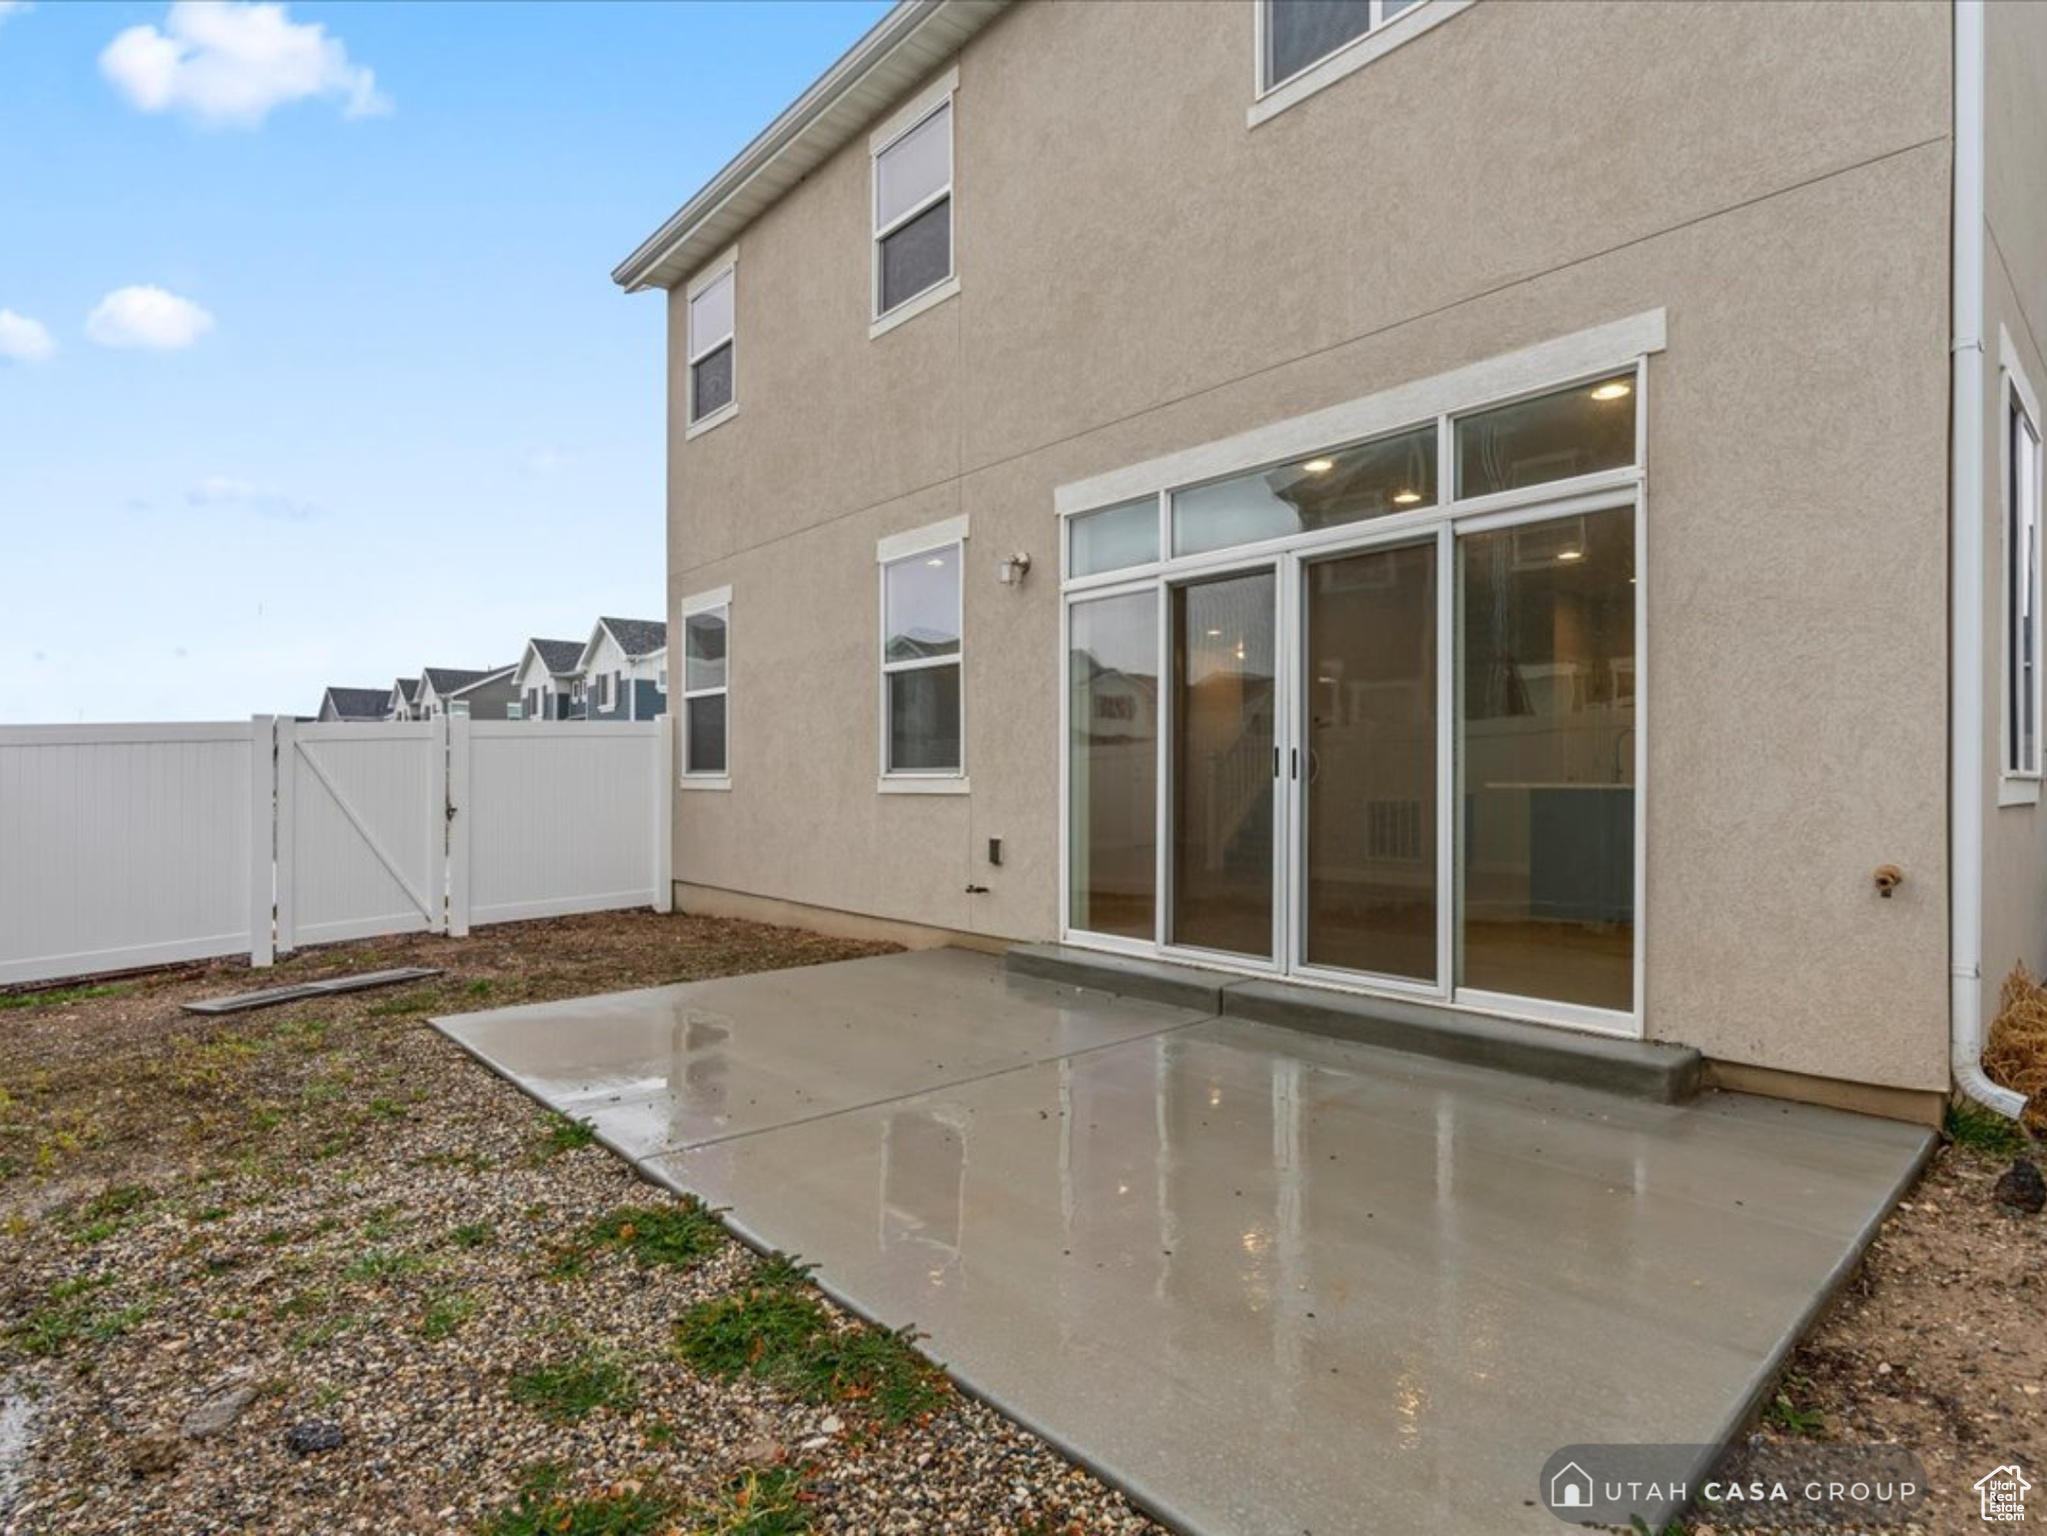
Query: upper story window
{"x": 1305, "y": 46}
{"x": 1299, "y": 33}
{"x": 712, "y": 377}
{"x": 2022, "y": 584}
{"x": 913, "y": 205}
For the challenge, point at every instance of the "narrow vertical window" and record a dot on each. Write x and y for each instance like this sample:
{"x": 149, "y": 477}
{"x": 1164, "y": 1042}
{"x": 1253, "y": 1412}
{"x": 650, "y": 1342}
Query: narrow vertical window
{"x": 921, "y": 663}
{"x": 706, "y": 683}
{"x": 711, "y": 348}
{"x": 2022, "y": 591}
{"x": 913, "y": 210}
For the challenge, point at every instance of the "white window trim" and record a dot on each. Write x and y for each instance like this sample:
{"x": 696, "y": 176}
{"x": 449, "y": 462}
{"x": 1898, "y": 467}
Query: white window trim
{"x": 714, "y": 600}
{"x": 951, "y": 533}
{"x": 939, "y": 93}
{"x": 726, "y": 265}
{"x": 1269, "y": 101}
{"x": 2018, "y": 786}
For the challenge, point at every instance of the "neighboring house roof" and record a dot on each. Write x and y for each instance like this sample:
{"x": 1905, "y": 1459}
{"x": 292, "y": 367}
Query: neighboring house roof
{"x": 358, "y": 703}
{"x": 897, "y": 55}
{"x": 636, "y": 637}
{"x": 482, "y": 680}
{"x": 409, "y": 687}
{"x": 560, "y": 657}
{"x": 447, "y": 680}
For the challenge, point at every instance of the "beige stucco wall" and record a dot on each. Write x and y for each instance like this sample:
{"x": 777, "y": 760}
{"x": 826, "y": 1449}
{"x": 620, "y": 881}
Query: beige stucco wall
{"x": 2015, "y": 303}
{"x": 1142, "y": 273}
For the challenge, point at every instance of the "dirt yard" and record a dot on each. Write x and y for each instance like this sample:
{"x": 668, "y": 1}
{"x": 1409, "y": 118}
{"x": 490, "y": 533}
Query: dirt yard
{"x": 311, "y": 1269}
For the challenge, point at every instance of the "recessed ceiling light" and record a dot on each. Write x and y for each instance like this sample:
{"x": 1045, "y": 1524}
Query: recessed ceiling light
{"x": 1406, "y": 498}
{"x": 1319, "y": 466}
{"x": 1613, "y": 389}
{"x": 1215, "y": 634}
{"x": 935, "y": 561}
{"x": 1571, "y": 554}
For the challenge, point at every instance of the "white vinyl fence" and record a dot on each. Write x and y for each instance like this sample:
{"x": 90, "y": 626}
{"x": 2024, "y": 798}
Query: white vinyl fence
{"x": 135, "y": 845}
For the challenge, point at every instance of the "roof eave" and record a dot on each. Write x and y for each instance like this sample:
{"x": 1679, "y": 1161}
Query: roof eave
{"x": 811, "y": 129}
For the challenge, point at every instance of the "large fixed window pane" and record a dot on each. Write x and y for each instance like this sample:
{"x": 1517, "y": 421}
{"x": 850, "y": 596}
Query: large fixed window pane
{"x": 1325, "y": 490}
{"x": 1224, "y": 735}
{"x": 1573, "y": 431}
{"x": 1298, "y": 32}
{"x": 1113, "y": 538}
{"x": 1369, "y": 835}
{"x": 1112, "y": 784}
{"x": 924, "y": 720}
{"x": 1545, "y": 743}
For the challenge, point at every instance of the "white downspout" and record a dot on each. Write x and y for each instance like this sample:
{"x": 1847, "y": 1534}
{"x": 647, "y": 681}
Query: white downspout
{"x": 1965, "y": 598}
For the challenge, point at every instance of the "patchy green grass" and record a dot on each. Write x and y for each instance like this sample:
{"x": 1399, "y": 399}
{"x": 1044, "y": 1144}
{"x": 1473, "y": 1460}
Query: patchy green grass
{"x": 406, "y": 1002}
{"x": 105, "y": 1214}
{"x": 679, "y": 1234}
{"x": 788, "y": 1339}
{"x": 570, "y": 1389}
{"x": 560, "y": 1134}
{"x": 1785, "y": 1412}
{"x": 378, "y": 1265}
{"x": 474, "y": 1235}
{"x": 768, "y": 1502}
{"x": 543, "y": 1508}
{"x": 74, "y": 1312}
{"x": 59, "y": 995}
{"x": 445, "y": 1314}
{"x": 1982, "y": 1130}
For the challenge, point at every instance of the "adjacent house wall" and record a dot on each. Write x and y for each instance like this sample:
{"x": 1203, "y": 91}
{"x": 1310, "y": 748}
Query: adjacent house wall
{"x": 1140, "y": 273}
{"x": 2015, "y": 302}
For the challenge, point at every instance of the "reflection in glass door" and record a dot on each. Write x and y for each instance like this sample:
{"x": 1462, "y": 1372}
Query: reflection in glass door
{"x": 1224, "y": 755}
{"x": 1368, "y": 762}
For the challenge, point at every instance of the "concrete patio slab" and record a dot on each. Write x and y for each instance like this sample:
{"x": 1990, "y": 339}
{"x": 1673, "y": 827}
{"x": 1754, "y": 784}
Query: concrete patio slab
{"x": 1267, "y": 1282}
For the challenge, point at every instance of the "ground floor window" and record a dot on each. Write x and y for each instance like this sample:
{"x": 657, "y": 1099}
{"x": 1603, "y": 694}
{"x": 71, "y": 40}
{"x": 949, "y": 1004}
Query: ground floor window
{"x": 1366, "y": 736}
{"x": 706, "y": 684}
{"x": 921, "y": 660}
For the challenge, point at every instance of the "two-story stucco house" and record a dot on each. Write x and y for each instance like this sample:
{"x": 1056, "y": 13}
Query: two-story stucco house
{"x": 1517, "y": 510}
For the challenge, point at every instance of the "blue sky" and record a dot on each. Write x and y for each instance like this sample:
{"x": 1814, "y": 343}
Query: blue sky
{"x": 311, "y": 368}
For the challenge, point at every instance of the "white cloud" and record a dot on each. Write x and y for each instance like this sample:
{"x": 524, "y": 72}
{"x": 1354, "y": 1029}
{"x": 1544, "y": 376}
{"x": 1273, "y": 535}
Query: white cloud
{"x": 227, "y": 491}
{"x": 547, "y": 461}
{"x": 235, "y": 63}
{"x": 146, "y": 316}
{"x": 23, "y": 339}
{"x": 12, "y": 8}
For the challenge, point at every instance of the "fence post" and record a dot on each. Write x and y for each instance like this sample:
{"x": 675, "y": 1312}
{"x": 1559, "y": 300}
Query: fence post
{"x": 459, "y": 819}
{"x": 285, "y": 804}
{"x": 262, "y": 835}
{"x": 664, "y": 813}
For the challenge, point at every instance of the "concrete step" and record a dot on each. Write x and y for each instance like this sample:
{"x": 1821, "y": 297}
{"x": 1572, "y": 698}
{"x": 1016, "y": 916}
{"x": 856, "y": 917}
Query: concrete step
{"x": 1640, "y": 1069}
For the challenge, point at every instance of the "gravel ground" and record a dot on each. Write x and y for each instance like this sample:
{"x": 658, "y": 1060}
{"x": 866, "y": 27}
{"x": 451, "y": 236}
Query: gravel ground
{"x": 323, "y": 1221}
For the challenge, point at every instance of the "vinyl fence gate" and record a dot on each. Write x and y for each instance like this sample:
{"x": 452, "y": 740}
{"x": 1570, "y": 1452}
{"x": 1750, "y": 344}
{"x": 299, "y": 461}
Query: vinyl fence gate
{"x": 124, "y": 846}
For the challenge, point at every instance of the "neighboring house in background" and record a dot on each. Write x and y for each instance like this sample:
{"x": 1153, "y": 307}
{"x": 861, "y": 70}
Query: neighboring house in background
{"x": 402, "y": 702}
{"x": 547, "y": 678}
{"x": 624, "y": 667}
{"x": 487, "y": 695}
{"x": 1340, "y": 465}
{"x": 354, "y": 704}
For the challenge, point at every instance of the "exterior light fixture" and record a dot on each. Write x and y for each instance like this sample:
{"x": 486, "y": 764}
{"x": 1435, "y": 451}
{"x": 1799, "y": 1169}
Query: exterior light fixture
{"x": 1613, "y": 389}
{"x": 1010, "y": 570}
